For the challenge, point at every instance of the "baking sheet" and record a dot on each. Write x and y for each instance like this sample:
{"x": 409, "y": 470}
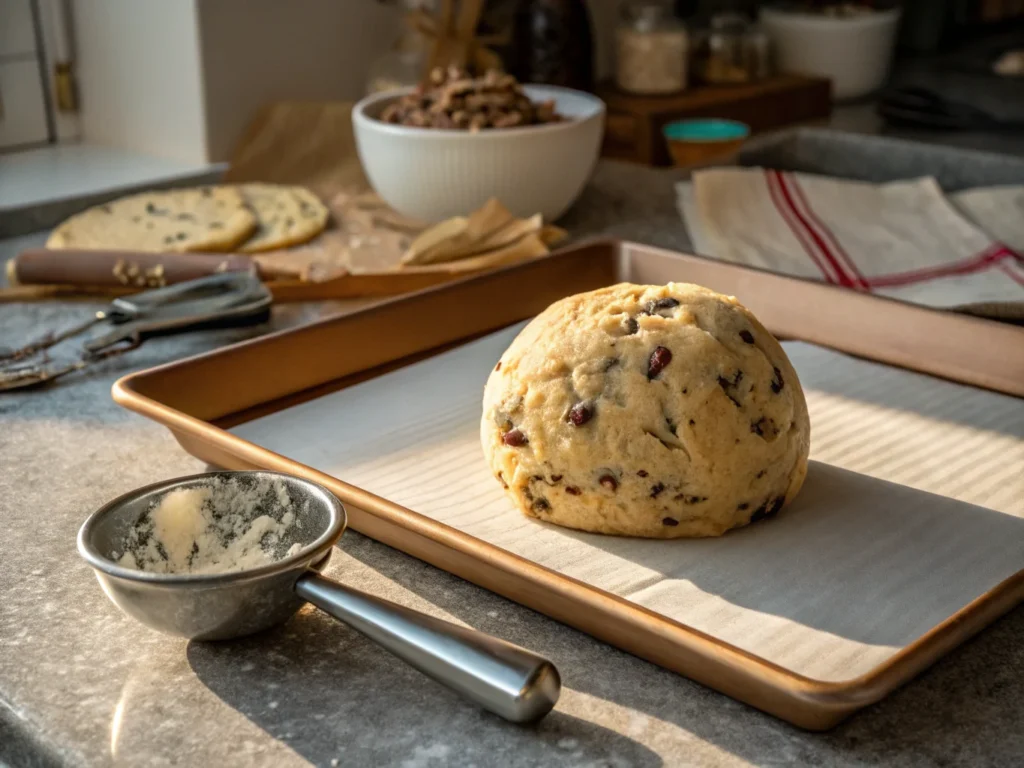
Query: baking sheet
{"x": 856, "y": 569}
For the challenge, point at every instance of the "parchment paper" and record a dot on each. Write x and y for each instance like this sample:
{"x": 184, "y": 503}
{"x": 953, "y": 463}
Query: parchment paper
{"x": 854, "y": 570}
{"x": 312, "y": 144}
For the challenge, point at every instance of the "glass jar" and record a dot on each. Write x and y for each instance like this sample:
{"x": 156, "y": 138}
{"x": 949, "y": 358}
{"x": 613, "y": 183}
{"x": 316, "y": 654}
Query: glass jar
{"x": 552, "y": 43}
{"x": 757, "y": 52}
{"x": 395, "y": 69}
{"x": 720, "y": 56}
{"x": 403, "y": 65}
{"x": 651, "y": 48}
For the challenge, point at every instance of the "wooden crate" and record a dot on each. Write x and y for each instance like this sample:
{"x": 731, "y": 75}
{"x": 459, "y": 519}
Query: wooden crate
{"x": 633, "y": 129}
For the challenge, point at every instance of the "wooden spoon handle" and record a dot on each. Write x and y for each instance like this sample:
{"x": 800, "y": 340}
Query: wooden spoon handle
{"x": 128, "y": 269}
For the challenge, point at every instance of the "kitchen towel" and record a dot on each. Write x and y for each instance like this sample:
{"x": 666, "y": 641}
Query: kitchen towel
{"x": 903, "y": 239}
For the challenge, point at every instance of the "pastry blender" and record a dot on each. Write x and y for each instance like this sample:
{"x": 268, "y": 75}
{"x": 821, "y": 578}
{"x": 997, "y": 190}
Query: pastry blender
{"x": 217, "y": 301}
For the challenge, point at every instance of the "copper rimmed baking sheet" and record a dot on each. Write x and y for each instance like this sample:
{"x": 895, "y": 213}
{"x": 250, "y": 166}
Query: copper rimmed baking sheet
{"x": 810, "y": 616}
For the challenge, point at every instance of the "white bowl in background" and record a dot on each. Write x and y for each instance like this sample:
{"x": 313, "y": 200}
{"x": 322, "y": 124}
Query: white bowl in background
{"x": 433, "y": 174}
{"x": 853, "y": 52}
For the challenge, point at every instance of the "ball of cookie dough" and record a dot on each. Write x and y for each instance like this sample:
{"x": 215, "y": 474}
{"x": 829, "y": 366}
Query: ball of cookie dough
{"x": 655, "y": 411}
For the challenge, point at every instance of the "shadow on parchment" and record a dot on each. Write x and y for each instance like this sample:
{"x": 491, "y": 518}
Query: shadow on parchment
{"x": 965, "y": 710}
{"x": 854, "y": 556}
{"x": 296, "y": 682}
{"x": 903, "y": 391}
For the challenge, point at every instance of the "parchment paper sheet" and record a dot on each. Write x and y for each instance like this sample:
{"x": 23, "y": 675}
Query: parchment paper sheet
{"x": 854, "y": 570}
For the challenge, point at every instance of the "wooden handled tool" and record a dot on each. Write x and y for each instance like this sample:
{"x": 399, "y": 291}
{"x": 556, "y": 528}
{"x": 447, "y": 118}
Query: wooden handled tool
{"x": 127, "y": 269}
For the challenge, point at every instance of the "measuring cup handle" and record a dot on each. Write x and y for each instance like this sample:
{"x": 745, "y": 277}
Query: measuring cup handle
{"x": 510, "y": 681}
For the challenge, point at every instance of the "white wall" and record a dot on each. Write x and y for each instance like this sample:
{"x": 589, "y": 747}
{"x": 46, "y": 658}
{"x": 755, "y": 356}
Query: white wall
{"x": 139, "y": 77}
{"x": 259, "y": 51}
{"x": 182, "y": 78}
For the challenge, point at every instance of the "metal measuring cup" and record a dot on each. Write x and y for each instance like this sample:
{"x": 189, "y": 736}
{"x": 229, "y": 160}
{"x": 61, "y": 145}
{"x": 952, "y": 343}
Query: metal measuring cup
{"x": 510, "y": 681}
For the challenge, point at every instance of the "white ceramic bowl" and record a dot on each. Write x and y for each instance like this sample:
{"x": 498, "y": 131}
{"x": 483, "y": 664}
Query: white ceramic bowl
{"x": 854, "y": 53}
{"x": 432, "y": 174}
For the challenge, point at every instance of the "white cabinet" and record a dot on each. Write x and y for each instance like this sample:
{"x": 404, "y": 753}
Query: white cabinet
{"x": 22, "y": 101}
{"x": 22, "y": 104}
{"x": 17, "y": 29}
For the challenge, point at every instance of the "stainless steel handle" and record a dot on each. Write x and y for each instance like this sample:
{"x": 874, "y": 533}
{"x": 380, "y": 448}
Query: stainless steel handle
{"x": 510, "y": 681}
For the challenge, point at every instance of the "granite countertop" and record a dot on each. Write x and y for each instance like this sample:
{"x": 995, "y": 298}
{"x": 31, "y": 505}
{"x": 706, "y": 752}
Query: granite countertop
{"x": 81, "y": 684}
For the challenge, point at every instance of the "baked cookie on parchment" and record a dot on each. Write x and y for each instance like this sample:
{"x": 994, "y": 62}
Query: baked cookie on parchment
{"x": 196, "y": 219}
{"x": 285, "y": 215}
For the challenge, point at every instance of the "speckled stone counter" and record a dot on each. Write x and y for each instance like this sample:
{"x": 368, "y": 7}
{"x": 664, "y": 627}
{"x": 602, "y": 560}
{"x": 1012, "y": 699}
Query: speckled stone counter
{"x": 80, "y": 684}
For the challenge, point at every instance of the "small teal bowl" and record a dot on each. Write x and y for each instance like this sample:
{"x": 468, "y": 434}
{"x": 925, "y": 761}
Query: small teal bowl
{"x": 696, "y": 142}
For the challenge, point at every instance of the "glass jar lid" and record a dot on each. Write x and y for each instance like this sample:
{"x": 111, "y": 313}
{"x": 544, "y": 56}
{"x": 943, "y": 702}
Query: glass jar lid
{"x": 649, "y": 16}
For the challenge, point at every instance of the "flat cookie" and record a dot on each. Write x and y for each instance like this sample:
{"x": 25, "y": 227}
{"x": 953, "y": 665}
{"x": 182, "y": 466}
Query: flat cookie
{"x": 654, "y": 411}
{"x": 197, "y": 219}
{"x": 285, "y": 216}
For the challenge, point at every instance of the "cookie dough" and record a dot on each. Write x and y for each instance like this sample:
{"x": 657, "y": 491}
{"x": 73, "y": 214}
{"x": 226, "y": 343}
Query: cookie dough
{"x": 198, "y": 219}
{"x": 654, "y": 411}
{"x": 285, "y": 216}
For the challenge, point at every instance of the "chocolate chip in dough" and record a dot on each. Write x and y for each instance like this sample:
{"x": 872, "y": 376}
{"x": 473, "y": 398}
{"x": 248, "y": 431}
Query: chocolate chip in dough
{"x": 687, "y": 499}
{"x": 765, "y": 427}
{"x": 747, "y": 337}
{"x": 729, "y": 387}
{"x": 656, "y": 490}
{"x": 768, "y": 509}
{"x": 659, "y": 359}
{"x": 641, "y": 473}
{"x": 669, "y": 521}
{"x": 541, "y": 505}
{"x": 657, "y": 306}
{"x": 777, "y": 382}
{"x": 572, "y": 490}
{"x": 609, "y": 482}
{"x": 498, "y": 366}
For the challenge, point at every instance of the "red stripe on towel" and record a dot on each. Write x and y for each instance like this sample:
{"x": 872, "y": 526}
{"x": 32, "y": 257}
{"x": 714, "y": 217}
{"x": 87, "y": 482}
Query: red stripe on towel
{"x": 842, "y": 278}
{"x": 991, "y": 255}
{"x": 793, "y": 224}
{"x": 1012, "y": 273}
{"x": 789, "y": 181}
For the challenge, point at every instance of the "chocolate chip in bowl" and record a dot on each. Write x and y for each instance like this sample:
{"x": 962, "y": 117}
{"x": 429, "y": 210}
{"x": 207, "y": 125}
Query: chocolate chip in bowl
{"x": 454, "y": 100}
{"x": 444, "y": 150}
{"x": 690, "y": 433}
